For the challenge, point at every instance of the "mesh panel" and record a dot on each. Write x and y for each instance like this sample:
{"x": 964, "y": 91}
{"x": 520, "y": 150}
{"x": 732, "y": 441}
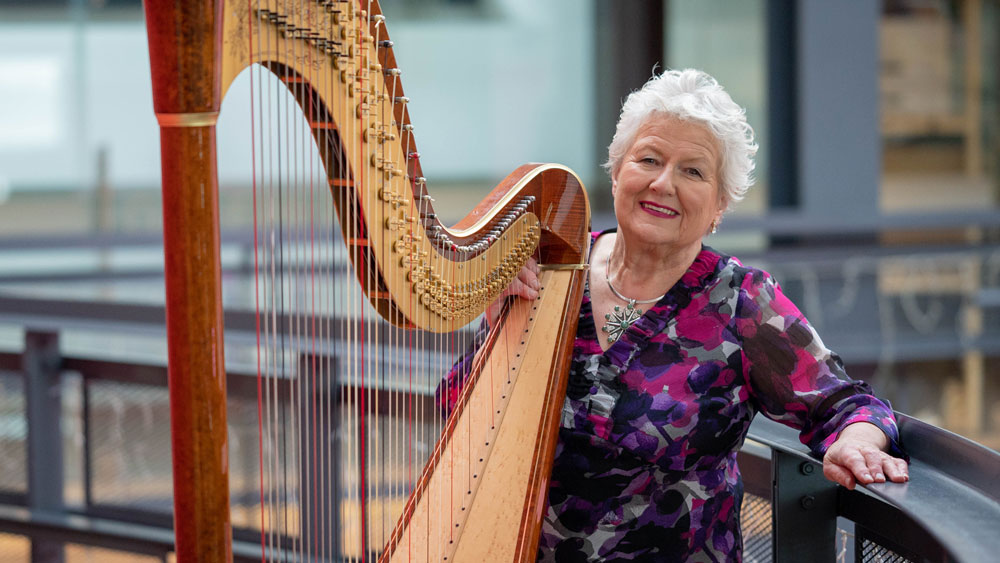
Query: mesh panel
{"x": 13, "y": 435}
{"x": 871, "y": 551}
{"x": 130, "y": 446}
{"x": 244, "y": 462}
{"x": 72, "y": 426}
{"x": 755, "y": 520}
{"x": 130, "y": 450}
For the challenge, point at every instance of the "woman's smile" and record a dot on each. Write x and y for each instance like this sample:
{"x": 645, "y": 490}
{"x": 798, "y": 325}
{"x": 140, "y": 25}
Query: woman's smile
{"x": 658, "y": 210}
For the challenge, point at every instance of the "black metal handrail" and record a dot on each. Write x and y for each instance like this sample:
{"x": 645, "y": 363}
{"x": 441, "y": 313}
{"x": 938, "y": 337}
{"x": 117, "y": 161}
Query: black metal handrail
{"x": 948, "y": 511}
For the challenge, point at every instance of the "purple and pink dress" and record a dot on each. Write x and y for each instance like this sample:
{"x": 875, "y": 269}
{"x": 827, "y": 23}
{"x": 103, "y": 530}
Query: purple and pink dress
{"x": 645, "y": 467}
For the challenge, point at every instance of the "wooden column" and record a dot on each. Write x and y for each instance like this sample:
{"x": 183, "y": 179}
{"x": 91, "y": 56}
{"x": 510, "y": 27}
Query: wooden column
{"x": 185, "y": 44}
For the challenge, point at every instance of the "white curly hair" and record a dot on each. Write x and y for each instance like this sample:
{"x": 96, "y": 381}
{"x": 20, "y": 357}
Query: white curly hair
{"x": 691, "y": 95}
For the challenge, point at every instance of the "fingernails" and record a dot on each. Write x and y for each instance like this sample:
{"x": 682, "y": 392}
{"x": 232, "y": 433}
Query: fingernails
{"x": 866, "y": 476}
{"x": 535, "y": 285}
{"x": 880, "y": 477}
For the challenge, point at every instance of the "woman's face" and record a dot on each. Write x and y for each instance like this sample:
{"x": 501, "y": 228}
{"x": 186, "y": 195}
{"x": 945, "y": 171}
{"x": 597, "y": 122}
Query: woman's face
{"x": 666, "y": 191}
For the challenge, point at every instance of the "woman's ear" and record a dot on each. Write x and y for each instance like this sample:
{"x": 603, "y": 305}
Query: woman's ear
{"x": 723, "y": 205}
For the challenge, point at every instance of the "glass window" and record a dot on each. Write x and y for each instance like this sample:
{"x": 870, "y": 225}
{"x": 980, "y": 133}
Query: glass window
{"x": 938, "y": 86}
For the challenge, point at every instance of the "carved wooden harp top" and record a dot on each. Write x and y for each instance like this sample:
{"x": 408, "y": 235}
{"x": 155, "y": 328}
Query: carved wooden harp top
{"x": 337, "y": 59}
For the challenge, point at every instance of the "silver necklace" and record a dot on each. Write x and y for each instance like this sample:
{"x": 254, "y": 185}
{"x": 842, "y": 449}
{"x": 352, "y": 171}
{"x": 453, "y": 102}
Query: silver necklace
{"x": 620, "y": 320}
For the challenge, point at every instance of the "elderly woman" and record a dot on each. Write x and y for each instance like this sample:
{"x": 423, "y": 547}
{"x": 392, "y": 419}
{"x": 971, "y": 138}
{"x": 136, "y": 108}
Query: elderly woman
{"x": 679, "y": 346}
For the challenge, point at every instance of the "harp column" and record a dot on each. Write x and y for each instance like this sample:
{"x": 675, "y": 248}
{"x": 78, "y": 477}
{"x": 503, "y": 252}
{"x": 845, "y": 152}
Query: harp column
{"x": 185, "y": 47}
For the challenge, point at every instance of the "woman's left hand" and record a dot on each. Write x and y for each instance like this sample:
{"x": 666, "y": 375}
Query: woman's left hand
{"x": 858, "y": 456}
{"x": 525, "y": 285}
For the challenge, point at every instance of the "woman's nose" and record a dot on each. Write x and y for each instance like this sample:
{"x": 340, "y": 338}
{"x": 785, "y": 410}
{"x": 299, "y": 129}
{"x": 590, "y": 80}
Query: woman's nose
{"x": 664, "y": 181}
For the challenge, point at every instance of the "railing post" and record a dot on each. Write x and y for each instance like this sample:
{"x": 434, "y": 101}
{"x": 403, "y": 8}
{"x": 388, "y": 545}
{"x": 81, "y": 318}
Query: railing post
{"x": 804, "y": 511}
{"x": 319, "y": 451}
{"x": 41, "y": 366}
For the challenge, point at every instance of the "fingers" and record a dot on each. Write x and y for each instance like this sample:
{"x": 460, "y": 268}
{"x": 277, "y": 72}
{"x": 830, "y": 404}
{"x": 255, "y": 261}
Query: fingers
{"x": 838, "y": 475}
{"x": 896, "y": 470}
{"x": 533, "y": 265}
{"x": 523, "y": 289}
{"x": 529, "y": 274}
{"x": 854, "y": 461}
{"x": 865, "y": 465}
{"x": 526, "y": 279}
{"x": 873, "y": 463}
{"x": 525, "y": 285}
{"x": 882, "y": 466}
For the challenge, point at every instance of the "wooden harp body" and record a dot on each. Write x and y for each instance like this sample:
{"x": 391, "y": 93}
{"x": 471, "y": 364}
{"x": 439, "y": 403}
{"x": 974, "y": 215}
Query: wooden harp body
{"x": 335, "y": 58}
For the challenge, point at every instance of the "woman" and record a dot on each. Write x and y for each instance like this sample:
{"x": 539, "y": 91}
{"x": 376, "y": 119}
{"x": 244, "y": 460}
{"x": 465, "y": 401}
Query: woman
{"x": 679, "y": 346}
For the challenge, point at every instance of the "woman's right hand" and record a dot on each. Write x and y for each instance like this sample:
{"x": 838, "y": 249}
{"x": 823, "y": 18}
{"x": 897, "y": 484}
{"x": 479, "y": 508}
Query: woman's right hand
{"x": 524, "y": 285}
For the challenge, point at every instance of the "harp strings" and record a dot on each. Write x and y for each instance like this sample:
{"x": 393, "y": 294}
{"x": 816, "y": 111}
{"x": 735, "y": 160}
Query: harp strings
{"x": 337, "y": 184}
{"x": 271, "y": 523}
{"x": 313, "y": 396}
{"x": 357, "y": 437}
{"x": 296, "y": 303}
{"x": 255, "y": 129}
{"x": 382, "y": 498}
{"x": 367, "y": 423}
{"x": 345, "y": 419}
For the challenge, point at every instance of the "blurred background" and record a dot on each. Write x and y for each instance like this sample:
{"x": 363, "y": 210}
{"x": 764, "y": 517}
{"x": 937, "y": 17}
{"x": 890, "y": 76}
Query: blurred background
{"x": 875, "y": 206}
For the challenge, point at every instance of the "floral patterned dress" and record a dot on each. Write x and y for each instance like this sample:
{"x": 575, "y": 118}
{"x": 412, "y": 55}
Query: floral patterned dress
{"x": 645, "y": 467}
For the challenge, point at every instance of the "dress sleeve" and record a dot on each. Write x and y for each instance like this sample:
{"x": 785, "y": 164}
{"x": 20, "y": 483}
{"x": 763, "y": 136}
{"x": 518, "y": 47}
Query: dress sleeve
{"x": 450, "y": 387}
{"x": 793, "y": 378}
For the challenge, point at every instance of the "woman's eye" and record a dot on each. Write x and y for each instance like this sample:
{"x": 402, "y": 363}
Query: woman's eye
{"x": 649, "y": 160}
{"x": 695, "y": 172}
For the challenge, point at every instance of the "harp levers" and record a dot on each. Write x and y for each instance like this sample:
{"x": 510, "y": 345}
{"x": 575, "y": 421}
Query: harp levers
{"x": 356, "y": 461}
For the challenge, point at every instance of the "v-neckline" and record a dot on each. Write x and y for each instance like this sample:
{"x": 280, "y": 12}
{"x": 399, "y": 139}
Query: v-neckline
{"x": 587, "y": 308}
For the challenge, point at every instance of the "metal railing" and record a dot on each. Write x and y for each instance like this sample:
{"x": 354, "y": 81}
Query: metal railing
{"x": 949, "y": 511}
{"x": 104, "y": 486}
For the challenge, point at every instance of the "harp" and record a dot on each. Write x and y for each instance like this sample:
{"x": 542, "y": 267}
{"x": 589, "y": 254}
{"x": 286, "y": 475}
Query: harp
{"x": 481, "y": 492}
